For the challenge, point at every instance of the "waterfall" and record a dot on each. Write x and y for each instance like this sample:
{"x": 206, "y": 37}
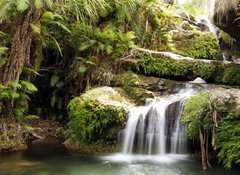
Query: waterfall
{"x": 155, "y": 129}
{"x": 206, "y": 7}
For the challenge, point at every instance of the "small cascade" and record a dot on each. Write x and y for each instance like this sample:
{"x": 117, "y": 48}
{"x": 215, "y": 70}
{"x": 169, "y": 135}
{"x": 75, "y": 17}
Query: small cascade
{"x": 155, "y": 129}
{"x": 206, "y": 16}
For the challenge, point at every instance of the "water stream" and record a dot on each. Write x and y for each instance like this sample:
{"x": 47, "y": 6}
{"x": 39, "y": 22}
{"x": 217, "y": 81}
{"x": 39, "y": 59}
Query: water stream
{"x": 155, "y": 129}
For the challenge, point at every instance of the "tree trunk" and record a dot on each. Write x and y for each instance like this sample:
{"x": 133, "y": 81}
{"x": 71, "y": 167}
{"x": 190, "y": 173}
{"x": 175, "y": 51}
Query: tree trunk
{"x": 19, "y": 55}
{"x": 19, "y": 50}
{"x": 203, "y": 151}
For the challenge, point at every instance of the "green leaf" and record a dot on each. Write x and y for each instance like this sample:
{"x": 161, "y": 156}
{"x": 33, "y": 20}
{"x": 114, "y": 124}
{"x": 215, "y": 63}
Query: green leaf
{"x": 62, "y": 26}
{"x": 57, "y": 46}
{"x": 54, "y": 80}
{"x": 28, "y": 128}
{"x": 36, "y": 29}
{"x": 82, "y": 69}
{"x": 22, "y": 5}
{"x": 3, "y": 50}
{"x": 15, "y": 85}
{"x": 60, "y": 84}
{"x": 38, "y": 4}
{"x": 53, "y": 100}
{"x": 49, "y": 3}
{"x": 32, "y": 117}
{"x": 48, "y": 15}
{"x": 28, "y": 86}
{"x": 31, "y": 70}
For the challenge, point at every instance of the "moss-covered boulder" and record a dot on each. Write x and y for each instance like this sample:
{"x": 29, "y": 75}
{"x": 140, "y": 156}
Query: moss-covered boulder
{"x": 174, "y": 66}
{"x": 134, "y": 86}
{"x": 97, "y": 116}
{"x": 197, "y": 44}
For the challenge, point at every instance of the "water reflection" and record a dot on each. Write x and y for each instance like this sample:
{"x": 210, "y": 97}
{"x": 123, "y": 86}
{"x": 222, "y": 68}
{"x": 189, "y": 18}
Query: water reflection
{"x": 21, "y": 164}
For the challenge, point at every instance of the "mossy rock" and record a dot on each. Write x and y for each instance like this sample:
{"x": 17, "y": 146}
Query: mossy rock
{"x": 97, "y": 116}
{"x": 11, "y": 138}
{"x": 183, "y": 68}
{"x": 198, "y": 45}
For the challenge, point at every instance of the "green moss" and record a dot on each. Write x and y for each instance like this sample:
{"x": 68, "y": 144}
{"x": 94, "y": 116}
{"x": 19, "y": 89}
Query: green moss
{"x": 126, "y": 79}
{"x": 214, "y": 71}
{"x": 177, "y": 68}
{"x": 92, "y": 121}
{"x": 133, "y": 85}
{"x": 199, "y": 45}
{"x": 10, "y": 137}
{"x": 231, "y": 74}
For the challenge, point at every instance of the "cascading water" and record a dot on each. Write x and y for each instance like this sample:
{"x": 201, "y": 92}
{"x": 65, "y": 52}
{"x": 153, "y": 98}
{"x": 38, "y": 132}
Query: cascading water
{"x": 206, "y": 14}
{"x": 155, "y": 129}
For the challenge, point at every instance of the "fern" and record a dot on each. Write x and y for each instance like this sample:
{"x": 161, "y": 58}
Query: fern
{"x": 48, "y": 16}
{"x": 15, "y": 85}
{"x": 38, "y": 4}
{"x": 49, "y": 3}
{"x": 36, "y": 29}
{"x": 62, "y": 26}
{"x": 3, "y": 50}
{"x": 22, "y": 5}
{"x": 28, "y": 86}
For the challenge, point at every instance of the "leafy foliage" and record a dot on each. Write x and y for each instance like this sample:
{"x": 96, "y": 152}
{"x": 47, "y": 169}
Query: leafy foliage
{"x": 200, "y": 111}
{"x": 229, "y": 142}
{"x": 197, "y": 113}
{"x": 19, "y": 92}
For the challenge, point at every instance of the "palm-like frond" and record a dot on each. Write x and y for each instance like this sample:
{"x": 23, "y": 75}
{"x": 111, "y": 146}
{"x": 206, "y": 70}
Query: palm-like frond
{"x": 85, "y": 10}
{"x": 22, "y": 5}
{"x": 7, "y": 6}
{"x": 126, "y": 9}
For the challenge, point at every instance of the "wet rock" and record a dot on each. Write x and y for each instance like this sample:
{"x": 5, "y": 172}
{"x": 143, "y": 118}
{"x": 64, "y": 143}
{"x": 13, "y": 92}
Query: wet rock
{"x": 203, "y": 27}
{"x": 186, "y": 25}
{"x": 198, "y": 81}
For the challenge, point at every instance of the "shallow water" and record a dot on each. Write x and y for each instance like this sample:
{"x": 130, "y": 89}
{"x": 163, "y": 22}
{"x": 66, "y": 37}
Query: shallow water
{"x": 111, "y": 164}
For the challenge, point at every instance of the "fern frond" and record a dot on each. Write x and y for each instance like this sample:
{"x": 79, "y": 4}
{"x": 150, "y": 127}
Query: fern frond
{"x": 22, "y": 5}
{"x": 14, "y": 85}
{"x": 28, "y": 86}
{"x": 38, "y": 4}
{"x": 49, "y": 3}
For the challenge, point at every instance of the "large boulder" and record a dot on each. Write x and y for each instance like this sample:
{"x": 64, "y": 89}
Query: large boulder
{"x": 96, "y": 117}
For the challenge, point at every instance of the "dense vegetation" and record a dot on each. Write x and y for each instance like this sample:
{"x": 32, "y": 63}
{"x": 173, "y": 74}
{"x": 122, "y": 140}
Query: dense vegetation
{"x": 53, "y": 51}
{"x": 214, "y": 121}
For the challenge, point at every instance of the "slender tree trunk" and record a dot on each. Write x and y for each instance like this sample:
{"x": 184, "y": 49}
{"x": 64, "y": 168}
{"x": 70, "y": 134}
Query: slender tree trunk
{"x": 203, "y": 151}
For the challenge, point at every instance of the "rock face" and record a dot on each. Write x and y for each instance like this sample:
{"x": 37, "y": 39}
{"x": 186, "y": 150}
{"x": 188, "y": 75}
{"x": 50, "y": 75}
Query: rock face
{"x": 229, "y": 21}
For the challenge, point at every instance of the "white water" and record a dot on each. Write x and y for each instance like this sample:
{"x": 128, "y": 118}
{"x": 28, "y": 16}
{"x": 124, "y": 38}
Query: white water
{"x": 155, "y": 129}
